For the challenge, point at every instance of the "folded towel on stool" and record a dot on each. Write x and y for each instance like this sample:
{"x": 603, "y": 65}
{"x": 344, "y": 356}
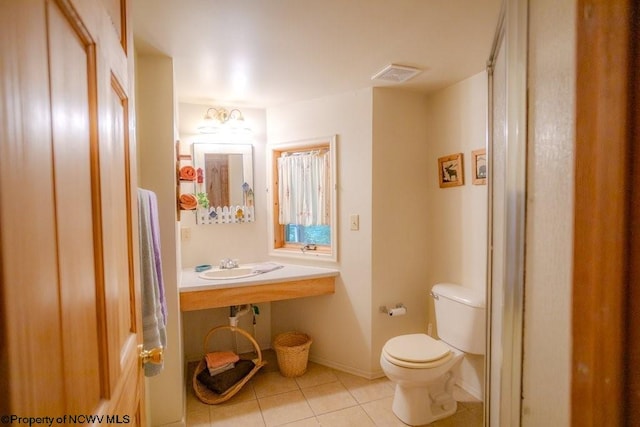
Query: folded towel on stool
{"x": 222, "y": 382}
{"x": 216, "y": 371}
{"x": 217, "y": 359}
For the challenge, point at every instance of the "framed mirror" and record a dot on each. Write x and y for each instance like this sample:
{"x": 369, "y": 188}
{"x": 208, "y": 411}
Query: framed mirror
{"x": 224, "y": 183}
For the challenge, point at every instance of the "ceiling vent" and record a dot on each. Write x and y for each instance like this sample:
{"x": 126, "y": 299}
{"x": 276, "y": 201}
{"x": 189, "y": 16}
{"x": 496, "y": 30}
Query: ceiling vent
{"x": 396, "y": 73}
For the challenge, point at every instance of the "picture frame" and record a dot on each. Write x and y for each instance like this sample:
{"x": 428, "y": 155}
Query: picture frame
{"x": 479, "y": 166}
{"x": 451, "y": 170}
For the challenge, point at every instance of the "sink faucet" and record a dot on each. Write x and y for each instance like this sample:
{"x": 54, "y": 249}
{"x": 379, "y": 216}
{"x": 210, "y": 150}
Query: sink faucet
{"x": 309, "y": 247}
{"x": 228, "y": 263}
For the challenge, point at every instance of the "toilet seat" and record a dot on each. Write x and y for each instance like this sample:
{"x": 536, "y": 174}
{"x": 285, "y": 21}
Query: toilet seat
{"x": 416, "y": 351}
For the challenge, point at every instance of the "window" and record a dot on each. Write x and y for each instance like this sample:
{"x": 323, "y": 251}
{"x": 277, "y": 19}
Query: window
{"x": 316, "y": 234}
{"x": 303, "y": 196}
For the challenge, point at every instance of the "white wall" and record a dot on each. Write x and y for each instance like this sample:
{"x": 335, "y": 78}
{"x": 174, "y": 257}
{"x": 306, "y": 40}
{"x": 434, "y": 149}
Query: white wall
{"x": 339, "y": 324}
{"x": 400, "y": 235}
{"x": 388, "y": 144}
{"x": 547, "y": 317}
{"x": 156, "y": 161}
{"x": 457, "y": 216}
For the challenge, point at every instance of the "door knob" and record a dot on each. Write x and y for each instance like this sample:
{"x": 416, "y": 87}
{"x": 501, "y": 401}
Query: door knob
{"x": 155, "y": 355}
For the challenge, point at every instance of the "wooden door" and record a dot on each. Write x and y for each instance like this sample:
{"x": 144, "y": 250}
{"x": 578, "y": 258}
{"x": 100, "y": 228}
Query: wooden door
{"x": 606, "y": 266}
{"x": 69, "y": 304}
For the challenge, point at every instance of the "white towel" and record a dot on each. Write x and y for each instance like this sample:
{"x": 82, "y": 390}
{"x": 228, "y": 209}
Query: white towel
{"x": 153, "y": 318}
{"x": 265, "y": 267}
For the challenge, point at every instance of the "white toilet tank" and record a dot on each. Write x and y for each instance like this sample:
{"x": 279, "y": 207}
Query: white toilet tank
{"x": 460, "y": 317}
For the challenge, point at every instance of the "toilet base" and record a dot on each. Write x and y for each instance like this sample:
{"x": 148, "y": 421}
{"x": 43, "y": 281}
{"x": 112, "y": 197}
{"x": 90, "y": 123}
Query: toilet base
{"x": 426, "y": 403}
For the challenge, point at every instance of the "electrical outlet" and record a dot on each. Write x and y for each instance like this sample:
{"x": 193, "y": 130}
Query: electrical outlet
{"x": 354, "y": 220}
{"x": 185, "y": 234}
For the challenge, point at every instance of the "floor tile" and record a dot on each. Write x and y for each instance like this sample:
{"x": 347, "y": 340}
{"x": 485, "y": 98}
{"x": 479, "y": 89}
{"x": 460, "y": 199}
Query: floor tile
{"x": 462, "y": 418}
{"x": 364, "y": 390}
{"x": 270, "y": 357}
{"x": 193, "y": 404}
{"x": 198, "y": 417}
{"x": 328, "y": 397}
{"x": 381, "y": 414}
{"x": 238, "y": 414}
{"x": 475, "y": 407}
{"x": 307, "y": 422}
{"x": 321, "y": 397}
{"x": 285, "y": 408}
{"x": 197, "y": 413}
{"x": 270, "y": 383}
{"x": 349, "y": 417}
{"x": 316, "y": 375}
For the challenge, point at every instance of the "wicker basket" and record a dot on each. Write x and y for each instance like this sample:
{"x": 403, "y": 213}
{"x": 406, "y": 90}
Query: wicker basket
{"x": 207, "y": 396}
{"x": 292, "y": 349}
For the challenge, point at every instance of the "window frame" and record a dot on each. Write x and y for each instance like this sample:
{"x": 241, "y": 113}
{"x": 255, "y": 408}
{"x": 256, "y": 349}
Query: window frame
{"x": 277, "y": 242}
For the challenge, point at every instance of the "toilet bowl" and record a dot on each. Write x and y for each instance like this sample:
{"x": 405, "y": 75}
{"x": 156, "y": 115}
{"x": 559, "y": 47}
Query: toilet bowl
{"x": 424, "y": 369}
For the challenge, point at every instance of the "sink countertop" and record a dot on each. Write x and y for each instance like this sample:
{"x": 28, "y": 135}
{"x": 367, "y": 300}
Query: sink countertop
{"x": 190, "y": 282}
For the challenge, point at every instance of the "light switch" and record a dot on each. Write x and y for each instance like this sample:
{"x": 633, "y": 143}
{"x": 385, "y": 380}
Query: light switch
{"x": 354, "y": 220}
{"x": 185, "y": 234}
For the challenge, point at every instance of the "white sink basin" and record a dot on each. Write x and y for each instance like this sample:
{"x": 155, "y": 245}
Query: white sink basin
{"x": 226, "y": 274}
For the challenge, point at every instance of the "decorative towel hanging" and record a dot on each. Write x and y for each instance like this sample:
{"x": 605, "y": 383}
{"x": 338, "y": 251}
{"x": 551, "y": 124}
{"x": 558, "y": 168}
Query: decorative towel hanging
{"x": 154, "y": 312}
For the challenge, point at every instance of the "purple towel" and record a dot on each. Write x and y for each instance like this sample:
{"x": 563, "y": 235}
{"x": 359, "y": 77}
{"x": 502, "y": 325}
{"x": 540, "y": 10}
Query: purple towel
{"x": 153, "y": 307}
{"x": 155, "y": 235}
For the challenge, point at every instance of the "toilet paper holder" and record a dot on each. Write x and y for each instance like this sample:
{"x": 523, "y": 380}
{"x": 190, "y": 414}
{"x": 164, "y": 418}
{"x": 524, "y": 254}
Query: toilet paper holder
{"x": 385, "y": 310}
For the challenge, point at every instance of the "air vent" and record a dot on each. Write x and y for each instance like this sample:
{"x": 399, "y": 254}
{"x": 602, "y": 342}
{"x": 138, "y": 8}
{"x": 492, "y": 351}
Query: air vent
{"x": 396, "y": 73}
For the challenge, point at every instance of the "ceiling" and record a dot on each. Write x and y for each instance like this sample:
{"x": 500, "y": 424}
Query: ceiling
{"x": 260, "y": 53}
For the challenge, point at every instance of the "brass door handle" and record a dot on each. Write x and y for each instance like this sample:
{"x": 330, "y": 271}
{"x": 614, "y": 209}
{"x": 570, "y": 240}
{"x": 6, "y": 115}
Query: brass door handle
{"x": 155, "y": 355}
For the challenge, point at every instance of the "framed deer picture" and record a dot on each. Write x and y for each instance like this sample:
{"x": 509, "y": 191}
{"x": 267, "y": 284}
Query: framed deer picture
{"x": 451, "y": 171}
{"x": 479, "y": 167}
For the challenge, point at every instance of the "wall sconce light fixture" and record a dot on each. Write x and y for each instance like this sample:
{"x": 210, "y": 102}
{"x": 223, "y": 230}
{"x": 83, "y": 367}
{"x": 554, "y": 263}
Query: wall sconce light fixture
{"x": 218, "y": 120}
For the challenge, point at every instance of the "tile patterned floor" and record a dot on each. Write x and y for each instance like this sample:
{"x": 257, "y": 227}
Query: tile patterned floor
{"x": 321, "y": 397}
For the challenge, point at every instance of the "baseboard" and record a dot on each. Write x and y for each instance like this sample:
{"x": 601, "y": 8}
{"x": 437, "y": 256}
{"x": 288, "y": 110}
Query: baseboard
{"x": 469, "y": 389}
{"x": 348, "y": 369}
{"x": 321, "y": 361}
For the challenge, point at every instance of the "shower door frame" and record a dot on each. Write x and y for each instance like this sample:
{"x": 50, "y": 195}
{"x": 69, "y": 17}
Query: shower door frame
{"x": 505, "y": 320}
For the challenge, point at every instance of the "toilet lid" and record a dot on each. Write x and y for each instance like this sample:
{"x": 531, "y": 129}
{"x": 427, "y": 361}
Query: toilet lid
{"x": 416, "y": 348}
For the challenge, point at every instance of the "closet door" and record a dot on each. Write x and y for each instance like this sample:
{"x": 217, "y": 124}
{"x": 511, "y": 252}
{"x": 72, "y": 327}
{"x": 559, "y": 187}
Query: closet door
{"x": 70, "y": 304}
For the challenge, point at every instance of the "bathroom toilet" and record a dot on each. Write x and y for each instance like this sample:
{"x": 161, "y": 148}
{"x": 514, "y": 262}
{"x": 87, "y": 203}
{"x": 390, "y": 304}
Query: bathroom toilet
{"x": 423, "y": 368}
